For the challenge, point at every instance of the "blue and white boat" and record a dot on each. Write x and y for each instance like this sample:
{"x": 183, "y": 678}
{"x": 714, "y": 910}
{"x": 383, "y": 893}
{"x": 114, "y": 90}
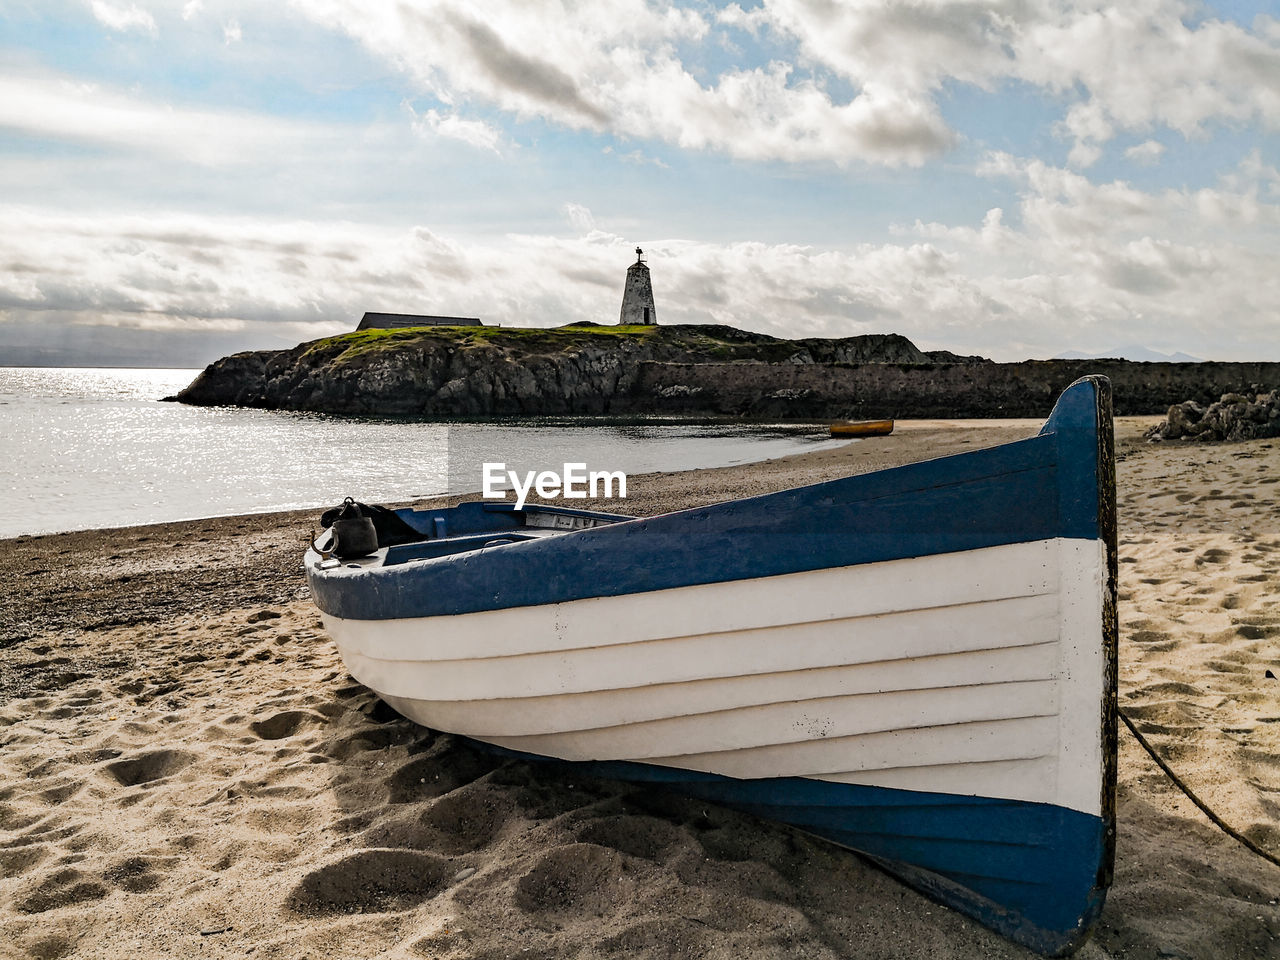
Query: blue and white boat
{"x": 918, "y": 664}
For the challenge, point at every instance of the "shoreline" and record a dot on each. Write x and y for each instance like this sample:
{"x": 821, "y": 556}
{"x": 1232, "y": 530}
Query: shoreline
{"x": 74, "y": 491}
{"x": 147, "y": 568}
{"x": 187, "y": 770}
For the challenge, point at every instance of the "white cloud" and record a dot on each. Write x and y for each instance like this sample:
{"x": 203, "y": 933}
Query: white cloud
{"x": 579, "y": 217}
{"x": 476, "y": 133}
{"x": 1093, "y": 261}
{"x": 191, "y": 8}
{"x": 614, "y": 66}
{"x": 637, "y": 157}
{"x": 1146, "y": 153}
{"x": 123, "y": 19}
{"x": 1083, "y": 154}
{"x": 752, "y": 21}
{"x": 55, "y": 107}
{"x": 1077, "y": 264}
{"x": 231, "y": 32}
{"x": 617, "y": 66}
{"x": 1137, "y": 64}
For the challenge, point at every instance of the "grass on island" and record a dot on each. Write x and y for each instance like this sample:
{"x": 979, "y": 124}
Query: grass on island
{"x": 359, "y": 342}
{"x": 687, "y": 343}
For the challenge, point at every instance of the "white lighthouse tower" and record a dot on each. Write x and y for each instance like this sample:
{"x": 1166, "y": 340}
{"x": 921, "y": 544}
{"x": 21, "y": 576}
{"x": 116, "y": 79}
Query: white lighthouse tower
{"x": 637, "y": 296}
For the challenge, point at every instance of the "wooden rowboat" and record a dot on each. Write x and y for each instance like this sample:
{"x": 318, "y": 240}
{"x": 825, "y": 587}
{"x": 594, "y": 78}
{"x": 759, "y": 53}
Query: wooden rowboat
{"x": 862, "y": 428}
{"x": 918, "y": 664}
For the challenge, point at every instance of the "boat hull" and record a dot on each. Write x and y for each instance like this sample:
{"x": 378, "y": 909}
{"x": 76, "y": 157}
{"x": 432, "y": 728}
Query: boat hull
{"x": 917, "y": 664}
{"x": 862, "y": 428}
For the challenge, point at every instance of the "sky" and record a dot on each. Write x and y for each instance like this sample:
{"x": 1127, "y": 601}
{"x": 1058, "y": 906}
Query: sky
{"x": 1012, "y": 178}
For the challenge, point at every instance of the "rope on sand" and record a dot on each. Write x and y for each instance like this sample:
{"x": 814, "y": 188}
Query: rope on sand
{"x": 1178, "y": 782}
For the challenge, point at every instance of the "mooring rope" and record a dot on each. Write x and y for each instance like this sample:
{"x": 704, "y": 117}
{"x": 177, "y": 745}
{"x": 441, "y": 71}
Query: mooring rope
{"x": 1181, "y": 785}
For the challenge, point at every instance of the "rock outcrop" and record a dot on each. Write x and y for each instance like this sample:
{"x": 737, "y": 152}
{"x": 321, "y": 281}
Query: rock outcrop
{"x": 679, "y": 370}
{"x": 1236, "y": 416}
{"x": 495, "y": 371}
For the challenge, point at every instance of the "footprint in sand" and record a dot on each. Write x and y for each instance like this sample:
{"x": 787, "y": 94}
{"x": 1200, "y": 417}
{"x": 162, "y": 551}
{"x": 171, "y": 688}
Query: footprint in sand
{"x": 372, "y": 881}
{"x": 1222, "y": 666}
{"x": 148, "y": 767}
{"x": 19, "y": 860}
{"x": 1154, "y": 640}
{"x": 371, "y": 738}
{"x": 670, "y": 937}
{"x": 51, "y": 947}
{"x": 285, "y": 724}
{"x": 467, "y": 819}
{"x": 139, "y": 874}
{"x": 442, "y": 769}
{"x": 638, "y": 835}
{"x": 581, "y": 879}
{"x": 1256, "y": 631}
{"x": 63, "y": 888}
{"x": 1166, "y": 716}
{"x": 61, "y": 792}
{"x": 1170, "y": 688}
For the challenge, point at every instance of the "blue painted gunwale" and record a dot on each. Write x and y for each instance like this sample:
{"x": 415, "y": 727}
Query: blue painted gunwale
{"x": 1033, "y": 489}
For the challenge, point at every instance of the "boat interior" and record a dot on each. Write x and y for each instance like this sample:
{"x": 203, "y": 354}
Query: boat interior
{"x": 440, "y": 532}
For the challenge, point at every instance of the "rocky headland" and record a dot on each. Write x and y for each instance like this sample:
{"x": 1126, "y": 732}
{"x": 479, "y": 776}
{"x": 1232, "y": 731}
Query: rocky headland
{"x": 683, "y": 370}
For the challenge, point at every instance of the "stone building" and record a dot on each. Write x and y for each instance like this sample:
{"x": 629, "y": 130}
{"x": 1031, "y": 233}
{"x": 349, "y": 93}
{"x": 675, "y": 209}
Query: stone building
{"x": 637, "y": 296}
{"x": 385, "y": 321}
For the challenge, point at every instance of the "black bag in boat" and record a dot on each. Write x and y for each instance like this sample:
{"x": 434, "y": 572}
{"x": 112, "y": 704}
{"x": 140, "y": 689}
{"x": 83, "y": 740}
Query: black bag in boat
{"x": 361, "y": 528}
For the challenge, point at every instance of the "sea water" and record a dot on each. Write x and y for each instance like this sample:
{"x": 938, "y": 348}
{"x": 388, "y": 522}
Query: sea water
{"x": 82, "y": 448}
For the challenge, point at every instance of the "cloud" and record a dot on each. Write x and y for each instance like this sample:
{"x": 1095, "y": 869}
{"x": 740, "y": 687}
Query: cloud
{"x": 615, "y": 66}
{"x": 637, "y": 157}
{"x": 231, "y": 32}
{"x": 579, "y": 217}
{"x": 1146, "y": 153}
{"x": 1119, "y": 66}
{"x": 1075, "y": 264}
{"x": 1092, "y": 261}
{"x": 58, "y": 108}
{"x": 123, "y": 19}
{"x": 523, "y": 75}
{"x": 633, "y": 69}
{"x": 475, "y": 133}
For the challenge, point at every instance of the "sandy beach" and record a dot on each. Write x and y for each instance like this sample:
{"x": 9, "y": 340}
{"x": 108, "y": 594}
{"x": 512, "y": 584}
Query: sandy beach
{"x": 186, "y": 769}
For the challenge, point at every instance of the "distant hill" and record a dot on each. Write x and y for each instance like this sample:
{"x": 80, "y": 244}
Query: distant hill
{"x": 1134, "y": 352}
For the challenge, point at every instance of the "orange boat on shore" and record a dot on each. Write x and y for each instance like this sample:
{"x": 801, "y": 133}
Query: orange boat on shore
{"x": 862, "y": 428}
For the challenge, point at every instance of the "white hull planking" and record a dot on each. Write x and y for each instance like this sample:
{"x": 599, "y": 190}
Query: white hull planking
{"x": 976, "y": 673}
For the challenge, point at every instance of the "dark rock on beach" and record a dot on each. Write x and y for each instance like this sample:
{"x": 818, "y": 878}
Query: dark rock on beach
{"x": 1236, "y": 416}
